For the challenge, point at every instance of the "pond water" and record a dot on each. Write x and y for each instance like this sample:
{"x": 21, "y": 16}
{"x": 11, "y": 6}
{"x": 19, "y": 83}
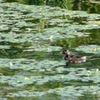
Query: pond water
{"x": 31, "y": 67}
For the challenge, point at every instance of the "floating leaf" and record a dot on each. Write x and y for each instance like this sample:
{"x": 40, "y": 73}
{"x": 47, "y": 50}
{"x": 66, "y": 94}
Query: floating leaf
{"x": 89, "y": 49}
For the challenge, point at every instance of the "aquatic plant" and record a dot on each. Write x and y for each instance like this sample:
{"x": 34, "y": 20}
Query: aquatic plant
{"x": 30, "y": 42}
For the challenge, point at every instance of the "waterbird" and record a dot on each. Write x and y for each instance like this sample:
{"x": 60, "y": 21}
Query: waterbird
{"x": 72, "y": 58}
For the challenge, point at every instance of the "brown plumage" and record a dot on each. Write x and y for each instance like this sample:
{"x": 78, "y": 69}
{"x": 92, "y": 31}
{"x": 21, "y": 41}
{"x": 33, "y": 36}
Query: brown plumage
{"x": 72, "y": 59}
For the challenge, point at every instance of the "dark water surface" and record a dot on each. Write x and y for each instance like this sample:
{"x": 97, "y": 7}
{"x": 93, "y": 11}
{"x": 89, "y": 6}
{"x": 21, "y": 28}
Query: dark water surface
{"x": 91, "y": 6}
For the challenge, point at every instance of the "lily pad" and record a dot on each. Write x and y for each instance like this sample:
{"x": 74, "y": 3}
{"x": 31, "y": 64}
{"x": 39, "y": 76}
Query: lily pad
{"x": 4, "y": 47}
{"x": 44, "y": 48}
{"x": 95, "y": 49}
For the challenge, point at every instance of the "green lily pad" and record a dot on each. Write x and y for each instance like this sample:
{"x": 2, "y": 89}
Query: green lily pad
{"x": 26, "y": 94}
{"x": 47, "y": 48}
{"x": 89, "y": 49}
{"x": 4, "y": 28}
{"x": 4, "y": 47}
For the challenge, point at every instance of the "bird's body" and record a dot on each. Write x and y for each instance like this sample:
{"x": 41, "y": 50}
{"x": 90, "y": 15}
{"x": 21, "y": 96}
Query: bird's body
{"x": 73, "y": 59}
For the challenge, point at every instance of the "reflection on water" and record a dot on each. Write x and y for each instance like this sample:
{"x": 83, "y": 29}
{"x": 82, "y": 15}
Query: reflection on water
{"x": 90, "y": 6}
{"x": 93, "y": 38}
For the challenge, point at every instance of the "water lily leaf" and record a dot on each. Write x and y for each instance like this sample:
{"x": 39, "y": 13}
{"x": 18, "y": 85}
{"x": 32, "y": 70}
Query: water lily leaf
{"x": 26, "y": 94}
{"x": 89, "y": 49}
{"x": 4, "y": 47}
{"x": 4, "y": 28}
{"x": 3, "y": 98}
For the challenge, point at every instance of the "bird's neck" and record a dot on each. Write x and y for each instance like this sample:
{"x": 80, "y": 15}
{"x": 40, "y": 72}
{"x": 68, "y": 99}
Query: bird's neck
{"x": 68, "y": 56}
